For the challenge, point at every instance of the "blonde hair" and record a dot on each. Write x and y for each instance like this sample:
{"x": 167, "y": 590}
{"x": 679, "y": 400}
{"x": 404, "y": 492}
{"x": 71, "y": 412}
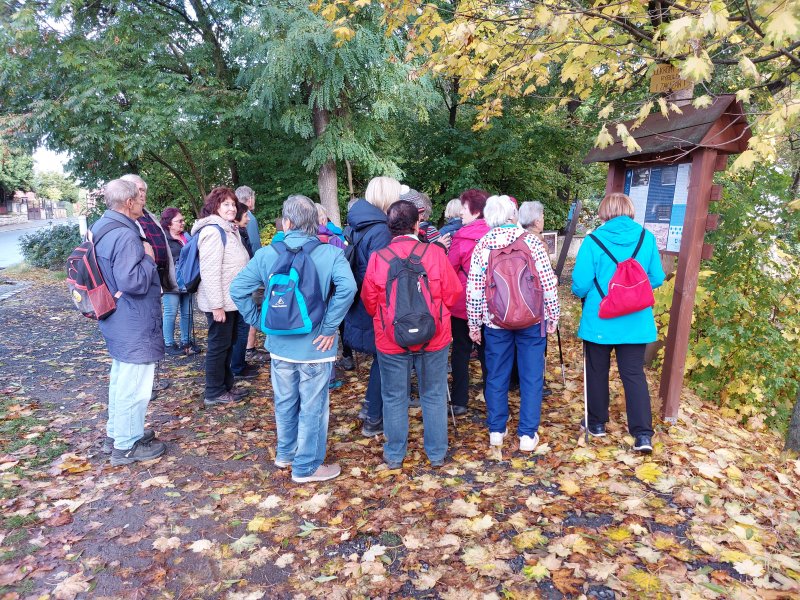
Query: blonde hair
{"x": 382, "y": 192}
{"x": 453, "y": 209}
{"x": 615, "y": 205}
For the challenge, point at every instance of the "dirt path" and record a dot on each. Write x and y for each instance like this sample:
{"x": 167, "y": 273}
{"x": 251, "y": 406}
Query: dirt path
{"x": 714, "y": 512}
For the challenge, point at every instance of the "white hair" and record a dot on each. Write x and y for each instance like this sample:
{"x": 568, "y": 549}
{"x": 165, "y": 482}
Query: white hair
{"x": 453, "y": 209}
{"x": 119, "y": 191}
{"x": 132, "y": 177}
{"x": 499, "y": 210}
{"x": 529, "y": 212}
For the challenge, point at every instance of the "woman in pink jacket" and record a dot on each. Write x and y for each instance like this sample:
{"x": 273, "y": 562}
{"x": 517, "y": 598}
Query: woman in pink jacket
{"x": 460, "y": 255}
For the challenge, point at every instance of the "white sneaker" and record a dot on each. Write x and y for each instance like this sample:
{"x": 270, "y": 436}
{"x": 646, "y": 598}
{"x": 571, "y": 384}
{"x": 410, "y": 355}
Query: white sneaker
{"x": 282, "y": 464}
{"x": 496, "y": 437}
{"x": 527, "y": 443}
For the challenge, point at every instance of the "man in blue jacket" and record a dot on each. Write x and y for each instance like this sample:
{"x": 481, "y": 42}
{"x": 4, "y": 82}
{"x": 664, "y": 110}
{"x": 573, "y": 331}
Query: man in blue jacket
{"x": 301, "y": 363}
{"x": 133, "y": 332}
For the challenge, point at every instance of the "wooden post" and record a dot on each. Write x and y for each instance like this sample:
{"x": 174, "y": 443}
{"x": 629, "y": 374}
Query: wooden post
{"x": 704, "y": 162}
{"x": 615, "y": 181}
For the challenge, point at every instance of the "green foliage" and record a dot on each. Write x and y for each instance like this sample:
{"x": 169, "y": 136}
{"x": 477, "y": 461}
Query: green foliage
{"x": 746, "y": 330}
{"x": 55, "y": 186}
{"x": 16, "y": 168}
{"x": 49, "y": 248}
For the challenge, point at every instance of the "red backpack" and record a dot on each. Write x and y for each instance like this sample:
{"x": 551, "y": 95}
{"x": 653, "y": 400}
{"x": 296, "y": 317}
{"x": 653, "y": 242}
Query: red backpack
{"x": 514, "y": 293}
{"x": 85, "y": 282}
{"x": 629, "y": 289}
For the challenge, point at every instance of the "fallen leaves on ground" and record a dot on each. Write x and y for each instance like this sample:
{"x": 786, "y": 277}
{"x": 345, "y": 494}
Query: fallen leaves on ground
{"x": 713, "y": 513}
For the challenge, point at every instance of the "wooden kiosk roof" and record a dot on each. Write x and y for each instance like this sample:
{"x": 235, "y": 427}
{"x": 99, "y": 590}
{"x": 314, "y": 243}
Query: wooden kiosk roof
{"x": 722, "y": 126}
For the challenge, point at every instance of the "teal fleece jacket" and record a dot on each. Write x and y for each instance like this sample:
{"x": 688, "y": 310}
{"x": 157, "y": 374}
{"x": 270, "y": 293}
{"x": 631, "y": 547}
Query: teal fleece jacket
{"x": 620, "y": 236}
{"x": 334, "y": 273}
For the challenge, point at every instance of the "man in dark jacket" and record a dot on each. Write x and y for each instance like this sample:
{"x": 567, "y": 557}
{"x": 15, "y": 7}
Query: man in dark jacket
{"x": 133, "y": 333}
{"x": 369, "y": 234}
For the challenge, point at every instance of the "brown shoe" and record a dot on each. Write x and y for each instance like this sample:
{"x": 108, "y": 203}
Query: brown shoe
{"x": 323, "y": 473}
{"x": 226, "y": 398}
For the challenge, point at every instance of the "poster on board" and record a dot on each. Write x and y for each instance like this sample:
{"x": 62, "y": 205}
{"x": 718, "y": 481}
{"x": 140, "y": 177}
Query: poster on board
{"x": 659, "y": 198}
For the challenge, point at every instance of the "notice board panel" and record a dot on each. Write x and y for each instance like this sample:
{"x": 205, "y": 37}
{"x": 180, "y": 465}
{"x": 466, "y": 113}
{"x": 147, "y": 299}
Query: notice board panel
{"x": 659, "y": 198}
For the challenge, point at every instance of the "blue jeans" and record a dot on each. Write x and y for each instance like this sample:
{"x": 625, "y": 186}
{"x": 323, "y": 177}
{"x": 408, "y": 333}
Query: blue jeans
{"x": 239, "y": 346}
{"x": 500, "y": 344}
{"x": 432, "y": 379}
{"x": 374, "y": 396}
{"x": 301, "y": 413}
{"x": 129, "y": 390}
{"x": 171, "y": 303}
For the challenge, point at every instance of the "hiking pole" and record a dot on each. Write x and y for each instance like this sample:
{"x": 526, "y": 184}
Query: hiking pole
{"x": 452, "y": 414}
{"x": 585, "y": 398}
{"x": 561, "y": 355}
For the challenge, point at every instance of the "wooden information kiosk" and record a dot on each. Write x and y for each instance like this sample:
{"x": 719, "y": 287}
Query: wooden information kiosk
{"x": 670, "y": 181}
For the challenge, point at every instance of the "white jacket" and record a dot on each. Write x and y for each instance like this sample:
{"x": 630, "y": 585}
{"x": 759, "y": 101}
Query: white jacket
{"x": 219, "y": 263}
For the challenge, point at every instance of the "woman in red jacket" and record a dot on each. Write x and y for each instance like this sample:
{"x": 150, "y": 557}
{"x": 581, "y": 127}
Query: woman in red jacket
{"x": 460, "y": 255}
{"x": 441, "y": 290}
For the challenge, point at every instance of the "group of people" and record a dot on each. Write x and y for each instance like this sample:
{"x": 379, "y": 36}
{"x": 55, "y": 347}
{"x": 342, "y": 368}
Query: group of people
{"x": 401, "y": 290}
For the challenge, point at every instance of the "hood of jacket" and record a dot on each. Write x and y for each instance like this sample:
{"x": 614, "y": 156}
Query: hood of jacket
{"x": 362, "y": 214}
{"x": 500, "y": 237}
{"x": 473, "y": 231}
{"x": 228, "y": 226}
{"x": 619, "y": 231}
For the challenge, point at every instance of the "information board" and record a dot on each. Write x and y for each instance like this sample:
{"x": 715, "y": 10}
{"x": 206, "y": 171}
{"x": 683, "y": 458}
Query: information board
{"x": 659, "y": 198}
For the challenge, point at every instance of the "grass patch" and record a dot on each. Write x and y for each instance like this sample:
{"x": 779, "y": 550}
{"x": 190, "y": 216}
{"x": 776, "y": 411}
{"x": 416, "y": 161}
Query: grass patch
{"x": 19, "y": 521}
{"x": 25, "y": 272}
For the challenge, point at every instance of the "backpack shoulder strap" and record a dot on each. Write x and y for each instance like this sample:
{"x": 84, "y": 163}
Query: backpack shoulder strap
{"x": 639, "y": 245}
{"x": 279, "y": 247}
{"x": 603, "y": 248}
{"x": 311, "y": 245}
{"x": 104, "y": 230}
{"x": 421, "y": 254}
{"x": 383, "y": 256}
{"x": 220, "y": 229}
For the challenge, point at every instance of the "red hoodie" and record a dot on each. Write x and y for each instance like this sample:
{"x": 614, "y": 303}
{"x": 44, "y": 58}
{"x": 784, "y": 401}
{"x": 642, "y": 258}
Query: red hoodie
{"x": 445, "y": 290}
{"x": 460, "y": 256}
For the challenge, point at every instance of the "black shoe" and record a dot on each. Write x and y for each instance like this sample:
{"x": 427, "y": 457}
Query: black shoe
{"x": 107, "y": 446}
{"x": 238, "y": 394}
{"x": 546, "y": 391}
{"x": 372, "y": 428}
{"x": 391, "y": 466}
{"x": 363, "y": 414}
{"x": 643, "y": 444}
{"x": 414, "y": 403}
{"x": 348, "y": 364}
{"x": 459, "y": 411}
{"x": 192, "y": 348}
{"x": 174, "y": 350}
{"x": 437, "y": 464}
{"x": 598, "y": 430}
{"x": 248, "y": 372}
{"x": 140, "y": 451}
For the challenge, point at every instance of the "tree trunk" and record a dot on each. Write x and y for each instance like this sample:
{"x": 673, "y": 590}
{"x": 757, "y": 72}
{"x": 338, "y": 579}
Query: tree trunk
{"x": 327, "y": 180}
{"x": 350, "y": 179}
{"x": 793, "y": 434}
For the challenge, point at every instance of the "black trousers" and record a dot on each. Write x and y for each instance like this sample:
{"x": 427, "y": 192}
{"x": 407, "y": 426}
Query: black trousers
{"x": 630, "y": 361}
{"x": 459, "y": 361}
{"x": 221, "y": 337}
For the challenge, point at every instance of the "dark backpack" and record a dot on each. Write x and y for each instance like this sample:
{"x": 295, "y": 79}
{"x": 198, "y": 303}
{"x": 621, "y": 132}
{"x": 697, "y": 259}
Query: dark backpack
{"x": 293, "y": 302}
{"x": 187, "y": 271}
{"x": 85, "y": 282}
{"x": 629, "y": 289}
{"x": 407, "y": 317}
{"x": 353, "y": 237}
{"x": 514, "y": 294}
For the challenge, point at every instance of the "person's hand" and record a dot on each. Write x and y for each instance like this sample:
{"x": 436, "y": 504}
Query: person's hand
{"x": 445, "y": 240}
{"x": 219, "y": 315}
{"x": 552, "y": 326}
{"x": 475, "y": 335}
{"x": 324, "y": 342}
{"x": 148, "y": 249}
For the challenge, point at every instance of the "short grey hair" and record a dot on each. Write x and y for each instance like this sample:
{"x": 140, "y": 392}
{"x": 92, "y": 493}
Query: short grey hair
{"x": 530, "y": 212}
{"x": 322, "y": 214}
{"x": 499, "y": 210}
{"x": 244, "y": 193}
{"x": 119, "y": 191}
{"x": 453, "y": 209}
{"x": 300, "y": 211}
{"x": 135, "y": 179}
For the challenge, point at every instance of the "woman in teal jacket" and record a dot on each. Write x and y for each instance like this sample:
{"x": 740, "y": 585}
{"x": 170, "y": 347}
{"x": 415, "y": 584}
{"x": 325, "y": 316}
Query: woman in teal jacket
{"x": 626, "y": 335}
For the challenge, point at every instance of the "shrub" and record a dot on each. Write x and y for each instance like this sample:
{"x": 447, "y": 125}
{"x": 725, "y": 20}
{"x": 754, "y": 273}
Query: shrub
{"x": 49, "y": 248}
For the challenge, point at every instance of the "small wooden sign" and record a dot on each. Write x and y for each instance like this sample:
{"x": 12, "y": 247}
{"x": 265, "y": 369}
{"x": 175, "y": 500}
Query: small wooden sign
{"x": 666, "y": 78}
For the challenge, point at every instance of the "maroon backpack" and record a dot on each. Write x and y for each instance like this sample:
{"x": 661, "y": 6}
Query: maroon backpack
{"x": 514, "y": 293}
{"x": 85, "y": 282}
{"x": 629, "y": 289}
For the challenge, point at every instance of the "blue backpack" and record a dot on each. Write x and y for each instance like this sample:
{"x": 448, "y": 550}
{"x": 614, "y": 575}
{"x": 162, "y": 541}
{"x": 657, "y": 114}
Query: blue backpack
{"x": 293, "y": 302}
{"x": 187, "y": 271}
